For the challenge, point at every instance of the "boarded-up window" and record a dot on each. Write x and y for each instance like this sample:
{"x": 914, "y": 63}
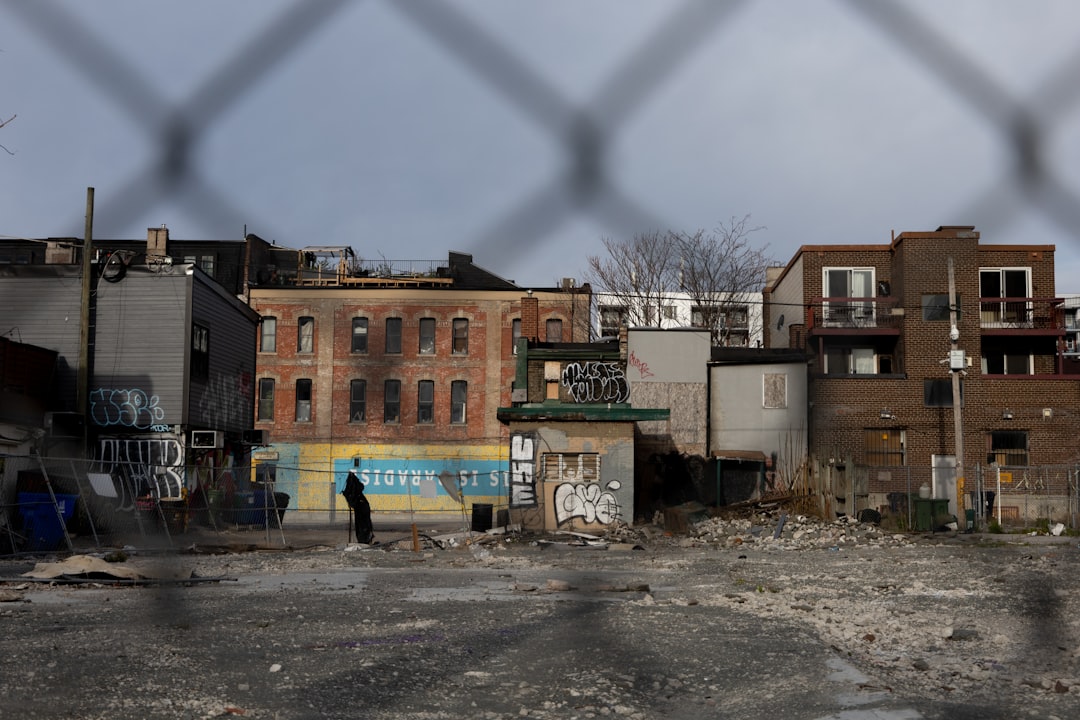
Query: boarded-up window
{"x": 775, "y": 390}
{"x": 1007, "y": 447}
{"x": 884, "y": 447}
{"x": 570, "y": 467}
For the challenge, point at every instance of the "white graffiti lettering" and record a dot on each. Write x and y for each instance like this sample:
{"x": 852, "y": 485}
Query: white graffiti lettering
{"x": 522, "y": 470}
{"x": 596, "y": 382}
{"x": 128, "y": 408}
{"x": 587, "y": 501}
{"x": 152, "y": 466}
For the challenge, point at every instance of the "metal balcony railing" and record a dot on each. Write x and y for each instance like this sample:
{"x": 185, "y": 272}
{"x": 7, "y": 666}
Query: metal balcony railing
{"x": 1018, "y": 313}
{"x": 854, "y": 313}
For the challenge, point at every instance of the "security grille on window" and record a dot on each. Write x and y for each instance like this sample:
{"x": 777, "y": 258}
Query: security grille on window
{"x": 884, "y": 447}
{"x": 1007, "y": 448}
{"x": 571, "y": 467}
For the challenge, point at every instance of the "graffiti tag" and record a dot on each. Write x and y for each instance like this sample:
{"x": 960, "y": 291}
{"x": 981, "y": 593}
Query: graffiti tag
{"x": 144, "y": 465}
{"x": 131, "y": 408}
{"x": 587, "y": 501}
{"x": 596, "y": 382}
{"x": 522, "y": 470}
{"x": 641, "y": 365}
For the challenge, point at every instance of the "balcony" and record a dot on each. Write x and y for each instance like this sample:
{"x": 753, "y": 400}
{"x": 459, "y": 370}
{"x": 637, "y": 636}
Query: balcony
{"x": 1022, "y": 316}
{"x": 854, "y": 315}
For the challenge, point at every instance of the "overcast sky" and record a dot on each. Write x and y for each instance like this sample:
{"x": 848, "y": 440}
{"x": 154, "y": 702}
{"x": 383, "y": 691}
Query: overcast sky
{"x": 525, "y": 132}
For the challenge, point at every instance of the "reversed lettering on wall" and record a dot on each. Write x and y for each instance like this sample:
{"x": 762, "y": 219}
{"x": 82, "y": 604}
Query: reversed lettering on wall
{"x": 587, "y": 501}
{"x": 596, "y": 382}
{"x": 131, "y": 408}
{"x": 522, "y": 470}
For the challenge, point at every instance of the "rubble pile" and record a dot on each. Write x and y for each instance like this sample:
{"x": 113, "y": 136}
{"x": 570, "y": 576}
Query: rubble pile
{"x": 784, "y": 532}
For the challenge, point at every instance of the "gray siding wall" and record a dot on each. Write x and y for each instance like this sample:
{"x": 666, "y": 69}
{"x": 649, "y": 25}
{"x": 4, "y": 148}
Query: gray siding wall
{"x": 141, "y": 353}
{"x": 225, "y": 400}
{"x": 40, "y": 306}
{"x": 739, "y": 419}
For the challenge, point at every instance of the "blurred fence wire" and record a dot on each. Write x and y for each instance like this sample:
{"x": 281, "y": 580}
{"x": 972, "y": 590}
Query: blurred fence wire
{"x": 583, "y": 131}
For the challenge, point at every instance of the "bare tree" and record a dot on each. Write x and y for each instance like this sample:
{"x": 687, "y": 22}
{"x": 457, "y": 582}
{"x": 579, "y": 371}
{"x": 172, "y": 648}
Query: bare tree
{"x": 636, "y": 276}
{"x": 715, "y": 277}
{"x": 723, "y": 275}
{"x": 2, "y": 124}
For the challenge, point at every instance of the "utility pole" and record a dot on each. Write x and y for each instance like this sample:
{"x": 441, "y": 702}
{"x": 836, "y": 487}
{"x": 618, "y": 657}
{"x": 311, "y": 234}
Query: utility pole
{"x": 956, "y": 367}
{"x": 83, "y": 380}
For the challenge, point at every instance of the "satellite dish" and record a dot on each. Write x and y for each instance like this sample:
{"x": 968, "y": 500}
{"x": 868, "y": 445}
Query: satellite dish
{"x": 780, "y": 322}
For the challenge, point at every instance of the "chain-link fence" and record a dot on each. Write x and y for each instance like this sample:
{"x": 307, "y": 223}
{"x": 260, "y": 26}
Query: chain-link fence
{"x": 1025, "y": 120}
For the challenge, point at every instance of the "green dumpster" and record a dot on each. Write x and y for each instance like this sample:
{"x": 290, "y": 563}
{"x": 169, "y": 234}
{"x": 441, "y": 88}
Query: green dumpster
{"x": 931, "y": 513}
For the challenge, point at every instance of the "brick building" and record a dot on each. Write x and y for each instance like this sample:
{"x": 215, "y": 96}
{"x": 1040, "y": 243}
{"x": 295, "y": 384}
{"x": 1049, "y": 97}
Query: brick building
{"x": 875, "y": 323}
{"x": 396, "y": 371}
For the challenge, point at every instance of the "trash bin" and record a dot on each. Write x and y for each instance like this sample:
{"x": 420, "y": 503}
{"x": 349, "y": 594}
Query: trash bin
{"x": 481, "y": 517}
{"x": 931, "y": 513}
{"x": 969, "y": 515}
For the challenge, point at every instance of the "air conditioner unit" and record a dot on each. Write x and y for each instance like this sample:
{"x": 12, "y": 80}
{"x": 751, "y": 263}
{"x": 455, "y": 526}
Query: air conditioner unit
{"x": 65, "y": 425}
{"x": 207, "y": 439}
{"x": 256, "y": 437}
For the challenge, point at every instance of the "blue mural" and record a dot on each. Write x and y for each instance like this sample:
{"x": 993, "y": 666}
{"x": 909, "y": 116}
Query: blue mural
{"x": 383, "y": 476}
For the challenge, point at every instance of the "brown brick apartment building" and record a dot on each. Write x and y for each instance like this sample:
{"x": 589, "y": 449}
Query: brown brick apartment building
{"x": 875, "y": 322}
{"x": 397, "y": 374}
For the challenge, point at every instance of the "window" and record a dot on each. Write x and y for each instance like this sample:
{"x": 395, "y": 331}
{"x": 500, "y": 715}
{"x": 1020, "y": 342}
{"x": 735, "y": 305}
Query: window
{"x": 460, "y": 336}
{"x": 704, "y": 316}
{"x": 774, "y": 387}
{"x": 850, "y": 361}
{"x": 669, "y": 312}
{"x": 359, "y": 334}
{"x": 427, "y": 336}
{"x": 305, "y": 338}
{"x": 266, "y": 399}
{"x": 303, "y": 401}
{"x": 268, "y": 335}
{"x": 425, "y": 402}
{"x": 1001, "y": 362}
{"x": 515, "y": 334}
{"x": 458, "y": 396}
{"x": 612, "y": 319}
{"x": 848, "y": 283}
{"x": 200, "y": 352}
{"x": 206, "y": 264}
{"x": 392, "y": 401}
{"x": 393, "y": 336}
{"x": 936, "y": 307}
{"x": 553, "y": 330}
{"x": 1011, "y": 284}
{"x": 570, "y": 467}
{"x": 1007, "y": 447}
{"x": 884, "y": 447}
{"x": 357, "y": 401}
{"x": 938, "y": 393}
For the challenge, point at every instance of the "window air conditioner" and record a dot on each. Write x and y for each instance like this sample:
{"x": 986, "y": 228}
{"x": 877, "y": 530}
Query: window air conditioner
{"x": 256, "y": 437}
{"x": 207, "y": 439}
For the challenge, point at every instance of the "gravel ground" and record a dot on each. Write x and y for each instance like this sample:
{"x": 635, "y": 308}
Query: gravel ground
{"x": 738, "y": 618}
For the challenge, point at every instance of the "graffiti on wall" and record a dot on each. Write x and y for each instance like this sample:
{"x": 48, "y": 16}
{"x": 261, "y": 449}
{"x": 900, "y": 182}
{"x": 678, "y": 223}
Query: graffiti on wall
{"x": 152, "y": 466}
{"x": 522, "y": 470}
{"x": 587, "y": 501}
{"x": 130, "y": 408}
{"x": 641, "y": 365}
{"x": 596, "y": 382}
{"x": 226, "y": 401}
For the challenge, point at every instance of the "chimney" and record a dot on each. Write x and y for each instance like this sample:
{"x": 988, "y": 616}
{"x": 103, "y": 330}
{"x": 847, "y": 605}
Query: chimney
{"x": 157, "y": 241}
{"x": 530, "y": 318}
